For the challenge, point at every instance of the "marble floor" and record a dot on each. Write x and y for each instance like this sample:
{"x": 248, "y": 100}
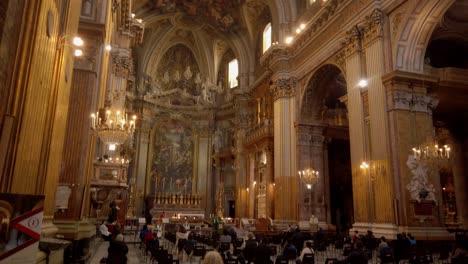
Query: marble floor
{"x": 135, "y": 254}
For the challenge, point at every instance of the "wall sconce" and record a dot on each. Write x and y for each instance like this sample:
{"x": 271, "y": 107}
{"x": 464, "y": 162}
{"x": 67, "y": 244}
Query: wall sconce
{"x": 75, "y": 43}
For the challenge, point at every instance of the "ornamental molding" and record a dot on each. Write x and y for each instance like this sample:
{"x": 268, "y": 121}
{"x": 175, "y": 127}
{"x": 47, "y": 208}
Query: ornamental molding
{"x": 352, "y": 43}
{"x": 275, "y": 54}
{"x": 373, "y": 27}
{"x": 122, "y": 63}
{"x": 406, "y": 100}
{"x": 283, "y": 88}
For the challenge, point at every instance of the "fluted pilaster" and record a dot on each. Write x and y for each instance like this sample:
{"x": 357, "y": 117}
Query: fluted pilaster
{"x": 285, "y": 149}
{"x": 76, "y": 154}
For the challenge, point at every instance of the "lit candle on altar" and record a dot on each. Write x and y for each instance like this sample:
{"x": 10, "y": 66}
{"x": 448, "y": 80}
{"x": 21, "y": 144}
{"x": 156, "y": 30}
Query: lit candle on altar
{"x": 93, "y": 120}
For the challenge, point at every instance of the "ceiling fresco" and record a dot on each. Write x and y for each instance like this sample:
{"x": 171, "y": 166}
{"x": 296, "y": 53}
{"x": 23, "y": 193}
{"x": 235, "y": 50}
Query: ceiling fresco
{"x": 224, "y": 15}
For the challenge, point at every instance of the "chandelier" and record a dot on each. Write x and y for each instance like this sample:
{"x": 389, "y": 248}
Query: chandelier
{"x": 113, "y": 128}
{"x": 431, "y": 152}
{"x": 309, "y": 177}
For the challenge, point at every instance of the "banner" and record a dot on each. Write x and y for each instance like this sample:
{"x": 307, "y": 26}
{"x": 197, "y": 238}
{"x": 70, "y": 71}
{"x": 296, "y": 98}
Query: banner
{"x": 20, "y": 227}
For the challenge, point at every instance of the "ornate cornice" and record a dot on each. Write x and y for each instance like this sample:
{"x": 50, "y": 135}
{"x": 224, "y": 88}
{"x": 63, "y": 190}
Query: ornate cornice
{"x": 352, "y": 43}
{"x": 402, "y": 100}
{"x": 276, "y": 58}
{"x": 373, "y": 27}
{"x": 283, "y": 87}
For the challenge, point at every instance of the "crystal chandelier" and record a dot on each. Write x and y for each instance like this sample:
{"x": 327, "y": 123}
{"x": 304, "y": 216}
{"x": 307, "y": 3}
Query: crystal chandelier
{"x": 309, "y": 177}
{"x": 113, "y": 128}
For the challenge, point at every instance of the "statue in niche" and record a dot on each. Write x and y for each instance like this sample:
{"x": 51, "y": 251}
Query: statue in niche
{"x": 188, "y": 73}
{"x": 419, "y": 187}
{"x": 217, "y": 140}
{"x": 166, "y": 78}
{"x": 153, "y": 87}
{"x": 324, "y": 111}
{"x": 176, "y": 76}
{"x": 207, "y": 95}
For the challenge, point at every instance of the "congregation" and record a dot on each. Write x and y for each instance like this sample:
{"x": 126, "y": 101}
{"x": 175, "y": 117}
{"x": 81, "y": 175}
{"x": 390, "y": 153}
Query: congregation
{"x": 234, "y": 244}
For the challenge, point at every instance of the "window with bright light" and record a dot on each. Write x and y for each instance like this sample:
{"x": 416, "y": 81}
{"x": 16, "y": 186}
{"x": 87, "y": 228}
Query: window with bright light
{"x": 267, "y": 37}
{"x": 233, "y": 73}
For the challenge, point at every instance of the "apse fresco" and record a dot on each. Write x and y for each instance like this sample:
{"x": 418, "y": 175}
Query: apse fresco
{"x": 172, "y": 162}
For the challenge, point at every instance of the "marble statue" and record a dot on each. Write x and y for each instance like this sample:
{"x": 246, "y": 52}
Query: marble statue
{"x": 217, "y": 140}
{"x": 419, "y": 187}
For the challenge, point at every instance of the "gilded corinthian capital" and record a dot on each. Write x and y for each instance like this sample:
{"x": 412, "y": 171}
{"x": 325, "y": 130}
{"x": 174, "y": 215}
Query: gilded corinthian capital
{"x": 283, "y": 87}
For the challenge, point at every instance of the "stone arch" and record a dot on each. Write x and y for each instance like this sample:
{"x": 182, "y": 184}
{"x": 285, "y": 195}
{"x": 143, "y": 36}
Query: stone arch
{"x": 315, "y": 90}
{"x": 419, "y": 23}
{"x": 281, "y": 15}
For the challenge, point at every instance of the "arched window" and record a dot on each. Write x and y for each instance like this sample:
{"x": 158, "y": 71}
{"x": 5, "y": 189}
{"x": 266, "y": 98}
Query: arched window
{"x": 267, "y": 37}
{"x": 233, "y": 73}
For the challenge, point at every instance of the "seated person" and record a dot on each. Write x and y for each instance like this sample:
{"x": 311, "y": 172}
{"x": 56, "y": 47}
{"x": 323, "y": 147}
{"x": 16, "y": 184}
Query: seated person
{"x": 382, "y": 246}
{"x": 152, "y": 242}
{"x": 250, "y": 248}
{"x": 306, "y": 250}
{"x": 225, "y": 237}
{"x": 149, "y": 235}
{"x": 262, "y": 254}
{"x": 357, "y": 255}
{"x": 290, "y": 251}
{"x": 117, "y": 251}
{"x": 106, "y": 235}
{"x": 143, "y": 232}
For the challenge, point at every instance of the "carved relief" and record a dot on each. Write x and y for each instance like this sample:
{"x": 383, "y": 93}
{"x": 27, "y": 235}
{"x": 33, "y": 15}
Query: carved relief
{"x": 404, "y": 100}
{"x": 395, "y": 24}
{"x": 401, "y": 100}
{"x": 283, "y": 87}
{"x": 419, "y": 186}
{"x": 179, "y": 83}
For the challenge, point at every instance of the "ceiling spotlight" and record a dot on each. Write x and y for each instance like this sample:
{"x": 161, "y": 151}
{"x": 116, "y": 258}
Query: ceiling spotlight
{"x": 302, "y": 26}
{"x": 298, "y": 30}
{"x": 362, "y": 83}
{"x": 108, "y": 47}
{"x": 78, "y": 53}
{"x": 288, "y": 40}
{"x": 133, "y": 15}
{"x": 77, "y": 41}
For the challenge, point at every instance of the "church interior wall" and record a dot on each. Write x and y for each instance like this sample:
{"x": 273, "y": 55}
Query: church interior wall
{"x": 243, "y": 146}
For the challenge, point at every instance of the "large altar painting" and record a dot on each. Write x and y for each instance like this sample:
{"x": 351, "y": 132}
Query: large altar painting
{"x": 172, "y": 161}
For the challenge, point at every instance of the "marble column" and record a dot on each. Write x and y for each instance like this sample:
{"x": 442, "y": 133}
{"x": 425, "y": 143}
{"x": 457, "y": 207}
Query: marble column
{"x": 286, "y": 180}
{"x": 241, "y": 162}
{"x": 411, "y": 124}
{"x": 354, "y": 72}
{"x": 270, "y": 182}
{"x": 142, "y": 139}
{"x": 461, "y": 183}
{"x": 317, "y": 163}
{"x": 378, "y": 158}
